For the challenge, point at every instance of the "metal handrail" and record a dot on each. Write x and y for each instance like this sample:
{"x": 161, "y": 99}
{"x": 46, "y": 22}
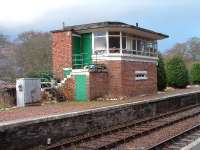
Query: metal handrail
{"x": 80, "y": 60}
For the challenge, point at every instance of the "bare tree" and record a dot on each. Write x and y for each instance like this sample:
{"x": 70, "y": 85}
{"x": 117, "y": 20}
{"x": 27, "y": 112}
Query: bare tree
{"x": 33, "y": 52}
{"x": 189, "y": 50}
{"x": 7, "y": 61}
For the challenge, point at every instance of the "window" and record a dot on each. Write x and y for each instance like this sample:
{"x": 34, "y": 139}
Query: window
{"x": 139, "y": 47}
{"x": 99, "y": 34}
{"x": 114, "y": 33}
{"x": 129, "y": 44}
{"x": 100, "y": 45}
{"x": 146, "y": 48}
{"x": 150, "y": 48}
{"x": 155, "y": 47}
{"x": 124, "y": 46}
{"x": 134, "y": 45}
{"x": 141, "y": 75}
{"x": 114, "y": 42}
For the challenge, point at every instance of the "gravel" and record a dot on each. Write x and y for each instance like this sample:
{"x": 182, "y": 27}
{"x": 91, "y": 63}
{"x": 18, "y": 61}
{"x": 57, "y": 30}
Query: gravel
{"x": 51, "y": 109}
{"x": 158, "y": 136}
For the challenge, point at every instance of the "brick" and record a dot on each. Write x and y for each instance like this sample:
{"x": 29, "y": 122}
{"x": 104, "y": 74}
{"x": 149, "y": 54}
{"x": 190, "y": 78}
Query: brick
{"x": 121, "y": 78}
{"x": 61, "y": 52}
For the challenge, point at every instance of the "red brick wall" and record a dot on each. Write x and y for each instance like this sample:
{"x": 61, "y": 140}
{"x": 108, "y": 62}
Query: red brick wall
{"x": 70, "y": 88}
{"x": 114, "y": 77}
{"x": 98, "y": 85}
{"x": 119, "y": 81}
{"x": 61, "y": 52}
{"x": 121, "y": 78}
{"x": 132, "y": 87}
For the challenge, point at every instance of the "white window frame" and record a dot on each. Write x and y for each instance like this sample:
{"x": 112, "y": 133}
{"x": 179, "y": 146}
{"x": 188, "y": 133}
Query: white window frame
{"x": 120, "y": 41}
{"x": 93, "y": 42}
{"x": 141, "y": 75}
{"x": 142, "y": 52}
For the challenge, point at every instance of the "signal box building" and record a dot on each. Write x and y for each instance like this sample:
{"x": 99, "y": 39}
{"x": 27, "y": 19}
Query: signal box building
{"x": 106, "y": 58}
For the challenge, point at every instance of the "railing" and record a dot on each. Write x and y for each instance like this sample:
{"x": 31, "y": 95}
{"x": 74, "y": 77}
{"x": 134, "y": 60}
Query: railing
{"x": 149, "y": 53}
{"x": 81, "y": 60}
{"x": 140, "y": 53}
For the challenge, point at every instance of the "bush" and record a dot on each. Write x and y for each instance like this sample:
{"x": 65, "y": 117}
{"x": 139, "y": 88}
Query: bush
{"x": 161, "y": 74}
{"x": 195, "y": 73}
{"x": 44, "y": 76}
{"x": 177, "y": 74}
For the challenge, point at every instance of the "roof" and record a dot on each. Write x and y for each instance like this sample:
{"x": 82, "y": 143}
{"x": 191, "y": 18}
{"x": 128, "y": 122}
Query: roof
{"x": 7, "y": 85}
{"x": 107, "y": 24}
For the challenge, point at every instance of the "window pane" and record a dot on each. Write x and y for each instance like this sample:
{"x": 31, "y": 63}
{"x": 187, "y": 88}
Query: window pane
{"x": 150, "y": 47}
{"x": 143, "y": 43}
{"x": 146, "y": 49}
{"x": 114, "y": 33}
{"x": 123, "y": 42}
{"x": 150, "y": 44}
{"x": 134, "y": 44}
{"x": 124, "y": 34}
{"x": 100, "y": 43}
{"x": 155, "y": 46}
{"x": 99, "y": 33}
{"x": 139, "y": 45}
{"x": 114, "y": 42}
{"x": 129, "y": 46}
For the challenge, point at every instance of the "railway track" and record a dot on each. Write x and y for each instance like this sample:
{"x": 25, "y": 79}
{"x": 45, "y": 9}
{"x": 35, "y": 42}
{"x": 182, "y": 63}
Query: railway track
{"x": 179, "y": 141}
{"x": 109, "y": 138}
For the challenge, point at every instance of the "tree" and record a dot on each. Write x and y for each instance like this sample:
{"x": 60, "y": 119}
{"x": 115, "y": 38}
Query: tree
{"x": 3, "y": 40}
{"x": 195, "y": 73}
{"x": 189, "y": 50}
{"x": 161, "y": 74}
{"x": 193, "y": 46}
{"x": 44, "y": 76}
{"x": 7, "y": 61}
{"x": 33, "y": 52}
{"x": 177, "y": 74}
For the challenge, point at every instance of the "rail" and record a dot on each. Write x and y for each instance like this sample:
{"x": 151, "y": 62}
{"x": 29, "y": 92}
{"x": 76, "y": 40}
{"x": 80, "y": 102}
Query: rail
{"x": 109, "y": 138}
{"x": 81, "y": 60}
{"x": 128, "y": 52}
{"x": 185, "y": 136}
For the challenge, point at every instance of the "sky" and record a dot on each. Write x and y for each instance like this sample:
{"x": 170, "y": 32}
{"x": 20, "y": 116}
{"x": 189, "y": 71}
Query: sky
{"x": 180, "y": 19}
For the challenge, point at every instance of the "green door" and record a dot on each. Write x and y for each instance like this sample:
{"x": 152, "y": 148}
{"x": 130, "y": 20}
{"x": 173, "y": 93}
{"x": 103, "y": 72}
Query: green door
{"x": 86, "y": 40}
{"x": 81, "y": 88}
{"x": 76, "y": 51}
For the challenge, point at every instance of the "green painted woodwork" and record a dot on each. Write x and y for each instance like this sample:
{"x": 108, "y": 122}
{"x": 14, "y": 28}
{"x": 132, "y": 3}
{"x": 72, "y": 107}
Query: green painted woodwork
{"x": 86, "y": 43}
{"x": 76, "y": 42}
{"x": 67, "y": 71}
{"x": 76, "y": 50}
{"x": 81, "y": 88}
{"x": 81, "y": 50}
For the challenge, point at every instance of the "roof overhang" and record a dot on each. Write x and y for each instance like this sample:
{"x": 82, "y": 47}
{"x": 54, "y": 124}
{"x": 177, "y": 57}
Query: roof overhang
{"x": 135, "y": 32}
{"x": 114, "y": 26}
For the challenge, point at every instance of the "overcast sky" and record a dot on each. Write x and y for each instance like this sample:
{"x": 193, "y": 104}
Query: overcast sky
{"x": 180, "y": 19}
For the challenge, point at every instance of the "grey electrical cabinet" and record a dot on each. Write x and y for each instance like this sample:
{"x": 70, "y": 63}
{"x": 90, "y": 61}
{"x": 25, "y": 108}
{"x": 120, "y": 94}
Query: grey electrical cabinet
{"x": 28, "y": 91}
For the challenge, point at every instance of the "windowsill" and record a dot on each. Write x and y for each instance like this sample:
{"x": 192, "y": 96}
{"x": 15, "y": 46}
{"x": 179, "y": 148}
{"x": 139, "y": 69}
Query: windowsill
{"x": 125, "y": 55}
{"x": 141, "y": 78}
